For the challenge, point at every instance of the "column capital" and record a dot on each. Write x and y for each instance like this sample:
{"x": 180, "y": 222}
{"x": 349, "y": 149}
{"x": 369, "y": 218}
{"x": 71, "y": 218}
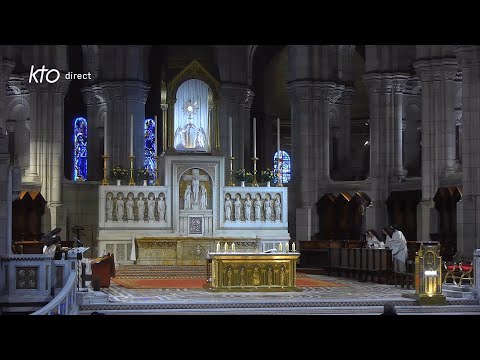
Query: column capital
{"x": 7, "y": 67}
{"x": 468, "y": 56}
{"x": 93, "y": 95}
{"x": 237, "y": 94}
{"x": 372, "y": 81}
{"x": 58, "y": 87}
{"x": 347, "y": 96}
{"x": 437, "y": 69}
{"x": 135, "y": 91}
{"x": 299, "y": 91}
{"x": 164, "y": 107}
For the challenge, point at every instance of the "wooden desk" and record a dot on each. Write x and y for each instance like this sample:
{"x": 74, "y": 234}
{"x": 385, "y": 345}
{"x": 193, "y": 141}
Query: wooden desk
{"x": 253, "y": 272}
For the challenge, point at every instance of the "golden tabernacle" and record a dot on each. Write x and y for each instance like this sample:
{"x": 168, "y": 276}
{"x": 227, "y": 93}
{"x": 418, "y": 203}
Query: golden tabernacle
{"x": 253, "y": 271}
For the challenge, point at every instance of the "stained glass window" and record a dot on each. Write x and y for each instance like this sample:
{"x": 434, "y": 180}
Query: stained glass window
{"x": 149, "y": 145}
{"x": 286, "y": 166}
{"x": 80, "y": 149}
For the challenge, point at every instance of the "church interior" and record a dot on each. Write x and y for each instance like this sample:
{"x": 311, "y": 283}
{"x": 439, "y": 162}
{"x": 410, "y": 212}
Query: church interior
{"x": 246, "y": 172}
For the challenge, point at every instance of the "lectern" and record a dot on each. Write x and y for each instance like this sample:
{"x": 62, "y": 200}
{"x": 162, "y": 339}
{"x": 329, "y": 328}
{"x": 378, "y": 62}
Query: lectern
{"x": 104, "y": 268}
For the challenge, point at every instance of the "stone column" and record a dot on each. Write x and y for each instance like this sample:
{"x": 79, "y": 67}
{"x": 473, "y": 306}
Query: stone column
{"x": 235, "y": 101}
{"x": 5, "y": 196}
{"x": 476, "y": 269}
{"x": 468, "y": 208}
{"x": 438, "y": 136}
{"x": 379, "y": 96}
{"x": 310, "y": 149}
{"x": 399, "y": 84}
{"x": 123, "y": 99}
{"x": 46, "y": 146}
{"x": 96, "y": 105}
{"x": 344, "y": 146}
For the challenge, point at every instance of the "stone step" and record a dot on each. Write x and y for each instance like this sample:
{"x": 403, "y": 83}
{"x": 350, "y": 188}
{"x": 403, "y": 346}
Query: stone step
{"x": 453, "y": 287}
{"x": 458, "y": 294}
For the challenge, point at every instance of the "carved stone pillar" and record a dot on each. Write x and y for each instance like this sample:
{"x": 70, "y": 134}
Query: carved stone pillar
{"x": 123, "y": 99}
{"x": 376, "y": 211}
{"x": 46, "y": 146}
{"x": 399, "y": 83}
{"x": 310, "y": 148}
{"x": 468, "y": 208}
{"x": 5, "y": 72}
{"x": 96, "y": 106}
{"x": 5, "y": 197}
{"x": 438, "y": 135}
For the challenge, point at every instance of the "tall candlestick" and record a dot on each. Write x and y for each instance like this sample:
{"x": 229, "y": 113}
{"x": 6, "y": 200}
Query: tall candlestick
{"x": 230, "y": 136}
{"x": 156, "y": 136}
{"x": 254, "y": 137}
{"x": 278, "y": 137}
{"x": 105, "y": 136}
{"x": 131, "y": 135}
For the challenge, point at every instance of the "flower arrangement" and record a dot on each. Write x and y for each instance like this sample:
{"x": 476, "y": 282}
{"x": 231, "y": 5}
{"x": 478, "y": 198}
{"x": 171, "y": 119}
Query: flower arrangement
{"x": 144, "y": 174}
{"x": 267, "y": 175}
{"x": 119, "y": 172}
{"x": 243, "y": 175}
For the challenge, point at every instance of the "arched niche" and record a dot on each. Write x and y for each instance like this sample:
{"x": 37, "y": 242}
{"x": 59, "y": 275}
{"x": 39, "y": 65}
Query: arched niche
{"x": 192, "y": 99}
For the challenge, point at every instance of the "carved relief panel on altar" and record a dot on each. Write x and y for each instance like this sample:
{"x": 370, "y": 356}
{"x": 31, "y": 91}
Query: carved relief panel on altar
{"x": 195, "y": 191}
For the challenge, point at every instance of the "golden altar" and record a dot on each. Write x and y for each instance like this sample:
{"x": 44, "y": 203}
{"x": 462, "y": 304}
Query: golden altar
{"x": 184, "y": 250}
{"x": 253, "y": 271}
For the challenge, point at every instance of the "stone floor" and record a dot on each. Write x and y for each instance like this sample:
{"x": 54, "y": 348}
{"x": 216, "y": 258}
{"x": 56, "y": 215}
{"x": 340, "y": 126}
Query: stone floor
{"x": 354, "y": 298}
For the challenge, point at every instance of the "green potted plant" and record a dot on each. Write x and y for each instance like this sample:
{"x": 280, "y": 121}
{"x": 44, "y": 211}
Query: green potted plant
{"x": 267, "y": 176}
{"x": 145, "y": 175}
{"x": 119, "y": 173}
{"x": 242, "y": 175}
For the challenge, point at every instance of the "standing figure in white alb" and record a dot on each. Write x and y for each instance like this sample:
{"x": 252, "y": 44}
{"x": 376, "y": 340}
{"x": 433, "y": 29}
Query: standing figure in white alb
{"x": 109, "y": 206}
{"x": 278, "y": 208}
{"x": 187, "y": 198}
{"x": 268, "y": 208}
{"x": 238, "y": 206}
{"x": 257, "y": 204}
{"x": 161, "y": 207}
{"x": 203, "y": 197}
{"x": 141, "y": 207}
{"x": 120, "y": 206}
{"x": 151, "y": 207}
{"x": 248, "y": 207}
{"x": 228, "y": 207}
{"x": 130, "y": 204}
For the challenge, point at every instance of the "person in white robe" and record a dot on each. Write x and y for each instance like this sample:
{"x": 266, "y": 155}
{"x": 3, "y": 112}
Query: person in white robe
{"x": 372, "y": 240}
{"x": 398, "y": 244}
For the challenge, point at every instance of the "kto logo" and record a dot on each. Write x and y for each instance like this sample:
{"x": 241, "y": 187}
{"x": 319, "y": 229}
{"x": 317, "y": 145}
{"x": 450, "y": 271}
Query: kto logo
{"x": 51, "y": 78}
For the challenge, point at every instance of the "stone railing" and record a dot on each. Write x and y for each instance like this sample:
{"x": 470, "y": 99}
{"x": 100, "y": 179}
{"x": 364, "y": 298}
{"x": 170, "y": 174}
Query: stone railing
{"x": 65, "y": 303}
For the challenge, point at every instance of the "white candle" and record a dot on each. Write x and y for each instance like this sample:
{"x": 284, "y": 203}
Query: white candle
{"x": 105, "y": 136}
{"x": 293, "y": 246}
{"x": 280, "y": 247}
{"x": 131, "y": 135}
{"x": 218, "y": 247}
{"x": 233, "y": 247}
{"x": 278, "y": 136}
{"x": 286, "y": 247}
{"x": 226, "y": 247}
{"x": 254, "y": 137}
{"x": 156, "y": 137}
{"x": 230, "y": 136}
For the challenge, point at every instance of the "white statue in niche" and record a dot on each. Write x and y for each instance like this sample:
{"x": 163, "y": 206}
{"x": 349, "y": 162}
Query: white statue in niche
{"x": 203, "y": 197}
{"x": 109, "y": 206}
{"x": 278, "y": 208}
{"x": 257, "y": 204}
{"x": 248, "y": 207}
{"x": 120, "y": 206}
{"x": 151, "y": 207}
{"x": 187, "y": 198}
{"x": 228, "y": 207}
{"x": 238, "y": 205}
{"x": 141, "y": 207}
{"x": 161, "y": 207}
{"x": 267, "y": 204}
{"x": 130, "y": 204}
{"x": 195, "y": 179}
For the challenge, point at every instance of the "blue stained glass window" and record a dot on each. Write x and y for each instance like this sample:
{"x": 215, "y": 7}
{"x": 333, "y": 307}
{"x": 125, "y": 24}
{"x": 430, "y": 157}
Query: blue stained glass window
{"x": 286, "y": 166}
{"x": 150, "y": 145}
{"x": 80, "y": 136}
